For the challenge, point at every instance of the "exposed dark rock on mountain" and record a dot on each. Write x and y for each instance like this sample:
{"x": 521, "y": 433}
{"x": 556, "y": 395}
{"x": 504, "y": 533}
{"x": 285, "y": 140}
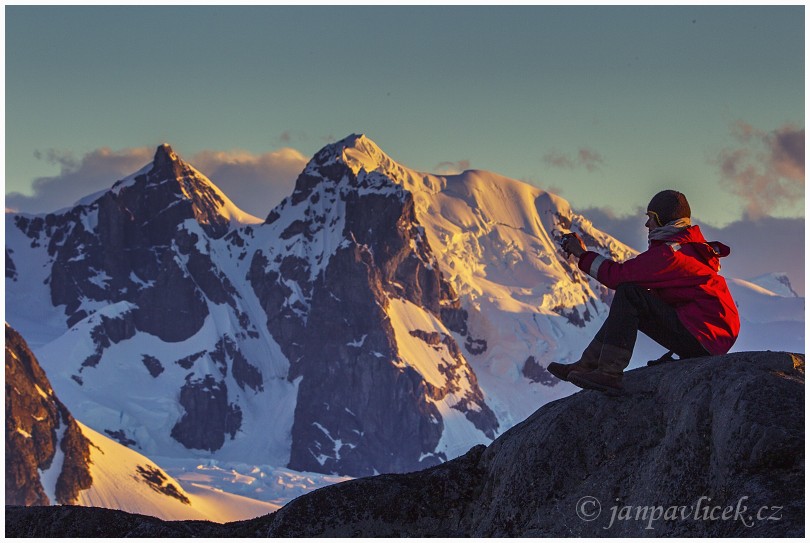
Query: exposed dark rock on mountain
{"x": 158, "y": 482}
{"x": 121, "y": 437}
{"x": 243, "y": 372}
{"x": 39, "y": 429}
{"x": 537, "y": 373}
{"x": 710, "y": 447}
{"x": 107, "y": 332}
{"x": 209, "y": 417}
{"x": 153, "y": 365}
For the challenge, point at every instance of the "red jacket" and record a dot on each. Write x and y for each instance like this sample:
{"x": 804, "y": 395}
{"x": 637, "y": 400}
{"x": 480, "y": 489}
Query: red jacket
{"x": 682, "y": 271}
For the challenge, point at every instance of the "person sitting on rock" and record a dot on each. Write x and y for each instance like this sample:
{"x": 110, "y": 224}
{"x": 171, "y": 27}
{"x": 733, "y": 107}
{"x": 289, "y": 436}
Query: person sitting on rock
{"x": 671, "y": 292}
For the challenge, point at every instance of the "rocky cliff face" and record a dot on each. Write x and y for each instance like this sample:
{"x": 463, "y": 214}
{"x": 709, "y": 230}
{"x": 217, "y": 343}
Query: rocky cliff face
{"x": 709, "y": 447}
{"x": 359, "y": 400}
{"x": 43, "y": 441}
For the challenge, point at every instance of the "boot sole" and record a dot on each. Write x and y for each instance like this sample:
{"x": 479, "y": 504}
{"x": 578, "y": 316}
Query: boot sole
{"x": 582, "y": 382}
{"x": 561, "y": 376}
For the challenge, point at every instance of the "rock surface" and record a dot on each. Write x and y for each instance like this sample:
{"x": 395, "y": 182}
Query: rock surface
{"x": 41, "y": 435}
{"x": 710, "y": 447}
{"x": 75, "y": 521}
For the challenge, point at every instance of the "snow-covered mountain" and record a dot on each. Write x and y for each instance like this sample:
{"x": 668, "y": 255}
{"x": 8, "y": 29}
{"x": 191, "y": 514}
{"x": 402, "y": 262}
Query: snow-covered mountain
{"x": 379, "y": 320}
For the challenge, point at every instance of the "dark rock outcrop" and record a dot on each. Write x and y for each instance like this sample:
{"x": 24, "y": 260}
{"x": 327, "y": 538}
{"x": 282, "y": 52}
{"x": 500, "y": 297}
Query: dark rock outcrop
{"x": 709, "y": 447}
{"x": 153, "y": 365}
{"x": 38, "y": 429}
{"x": 536, "y": 373}
{"x": 208, "y": 417}
{"x": 157, "y": 481}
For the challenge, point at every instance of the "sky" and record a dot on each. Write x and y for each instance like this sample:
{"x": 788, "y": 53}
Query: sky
{"x": 603, "y": 105}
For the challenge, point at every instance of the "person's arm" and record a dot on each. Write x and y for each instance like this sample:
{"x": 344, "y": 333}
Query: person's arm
{"x": 650, "y": 269}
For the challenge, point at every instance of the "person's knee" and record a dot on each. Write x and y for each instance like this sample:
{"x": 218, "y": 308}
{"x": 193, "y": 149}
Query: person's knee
{"x": 628, "y": 290}
{"x": 630, "y": 295}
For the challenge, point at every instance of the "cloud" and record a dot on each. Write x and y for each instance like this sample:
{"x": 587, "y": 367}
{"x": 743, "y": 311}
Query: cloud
{"x": 556, "y": 159}
{"x": 587, "y": 158}
{"x": 756, "y": 246}
{"x": 452, "y": 168}
{"x": 590, "y": 159}
{"x": 255, "y": 183}
{"x": 78, "y": 177}
{"x": 767, "y": 170}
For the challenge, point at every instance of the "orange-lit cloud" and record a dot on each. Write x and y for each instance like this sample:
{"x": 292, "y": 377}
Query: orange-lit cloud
{"x": 767, "y": 170}
{"x": 256, "y": 183}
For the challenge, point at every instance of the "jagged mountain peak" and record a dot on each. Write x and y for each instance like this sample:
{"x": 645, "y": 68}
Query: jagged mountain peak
{"x": 165, "y": 150}
{"x": 357, "y": 142}
{"x": 178, "y": 180}
{"x": 356, "y": 151}
{"x": 165, "y": 157}
{"x": 167, "y": 165}
{"x": 353, "y": 163}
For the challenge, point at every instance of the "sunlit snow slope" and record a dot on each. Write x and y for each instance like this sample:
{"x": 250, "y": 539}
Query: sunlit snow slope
{"x": 126, "y": 480}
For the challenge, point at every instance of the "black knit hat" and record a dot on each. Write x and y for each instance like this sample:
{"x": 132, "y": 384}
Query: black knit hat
{"x": 669, "y": 205}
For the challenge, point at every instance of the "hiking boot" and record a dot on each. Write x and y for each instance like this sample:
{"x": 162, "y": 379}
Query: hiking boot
{"x": 597, "y": 380}
{"x": 561, "y": 371}
{"x": 587, "y": 362}
{"x": 608, "y": 376}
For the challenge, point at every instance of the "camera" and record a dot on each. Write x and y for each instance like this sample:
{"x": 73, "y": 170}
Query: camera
{"x": 562, "y": 239}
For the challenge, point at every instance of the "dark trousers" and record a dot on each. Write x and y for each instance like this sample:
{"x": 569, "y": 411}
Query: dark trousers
{"x": 635, "y": 308}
